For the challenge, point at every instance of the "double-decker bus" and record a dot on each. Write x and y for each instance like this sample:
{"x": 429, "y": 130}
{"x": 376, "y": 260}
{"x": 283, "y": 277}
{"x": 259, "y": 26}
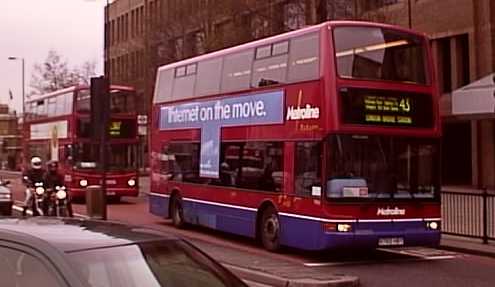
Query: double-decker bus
{"x": 321, "y": 138}
{"x": 58, "y": 127}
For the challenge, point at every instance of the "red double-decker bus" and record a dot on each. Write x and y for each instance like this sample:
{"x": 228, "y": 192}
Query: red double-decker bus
{"x": 58, "y": 127}
{"x": 320, "y": 138}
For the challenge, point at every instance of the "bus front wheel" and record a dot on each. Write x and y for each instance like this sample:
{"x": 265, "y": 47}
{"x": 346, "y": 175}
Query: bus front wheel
{"x": 270, "y": 230}
{"x": 177, "y": 212}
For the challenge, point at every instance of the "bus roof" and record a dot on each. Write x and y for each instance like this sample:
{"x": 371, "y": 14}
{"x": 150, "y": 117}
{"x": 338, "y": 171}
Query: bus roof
{"x": 70, "y": 89}
{"x": 282, "y": 37}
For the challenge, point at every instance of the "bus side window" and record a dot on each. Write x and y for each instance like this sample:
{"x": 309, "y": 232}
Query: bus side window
{"x": 184, "y": 162}
{"x": 165, "y": 162}
{"x": 308, "y": 169}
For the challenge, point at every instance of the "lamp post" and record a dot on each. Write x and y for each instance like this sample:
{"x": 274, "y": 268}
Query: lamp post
{"x": 23, "y": 85}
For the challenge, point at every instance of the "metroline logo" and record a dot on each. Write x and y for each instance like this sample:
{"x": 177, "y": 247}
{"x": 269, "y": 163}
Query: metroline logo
{"x": 303, "y": 113}
{"x": 388, "y": 211}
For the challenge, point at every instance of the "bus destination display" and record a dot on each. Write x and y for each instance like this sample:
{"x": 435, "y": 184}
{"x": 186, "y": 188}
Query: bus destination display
{"x": 392, "y": 110}
{"x": 386, "y": 108}
{"x": 124, "y": 128}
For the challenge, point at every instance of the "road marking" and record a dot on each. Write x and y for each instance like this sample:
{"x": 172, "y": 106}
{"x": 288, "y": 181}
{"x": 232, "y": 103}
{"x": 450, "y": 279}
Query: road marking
{"x": 422, "y": 253}
{"x": 412, "y": 253}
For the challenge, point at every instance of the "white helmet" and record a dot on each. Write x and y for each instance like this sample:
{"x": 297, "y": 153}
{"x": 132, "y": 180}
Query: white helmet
{"x": 36, "y": 162}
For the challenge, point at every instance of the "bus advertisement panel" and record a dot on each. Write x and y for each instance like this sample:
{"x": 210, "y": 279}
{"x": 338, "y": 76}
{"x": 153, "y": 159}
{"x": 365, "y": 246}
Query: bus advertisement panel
{"x": 321, "y": 138}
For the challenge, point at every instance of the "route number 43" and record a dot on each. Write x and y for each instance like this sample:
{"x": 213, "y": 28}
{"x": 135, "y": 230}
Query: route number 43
{"x": 404, "y": 105}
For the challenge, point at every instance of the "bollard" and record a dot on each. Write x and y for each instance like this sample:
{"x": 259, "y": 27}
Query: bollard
{"x": 96, "y": 202}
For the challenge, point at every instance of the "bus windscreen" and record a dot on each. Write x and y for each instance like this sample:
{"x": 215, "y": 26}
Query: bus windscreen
{"x": 380, "y": 54}
{"x": 380, "y": 167}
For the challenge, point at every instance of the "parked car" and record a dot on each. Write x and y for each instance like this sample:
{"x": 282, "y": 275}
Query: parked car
{"x": 6, "y": 200}
{"x": 45, "y": 251}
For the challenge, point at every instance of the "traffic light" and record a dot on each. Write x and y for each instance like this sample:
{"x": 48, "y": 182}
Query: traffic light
{"x": 100, "y": 106}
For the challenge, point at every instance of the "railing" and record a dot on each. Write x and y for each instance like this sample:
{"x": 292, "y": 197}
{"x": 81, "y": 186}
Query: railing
{"x": 469, "y": 214}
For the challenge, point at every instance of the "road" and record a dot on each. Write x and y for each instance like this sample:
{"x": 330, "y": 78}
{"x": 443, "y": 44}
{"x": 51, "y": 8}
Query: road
{"x": 380, "y": 268}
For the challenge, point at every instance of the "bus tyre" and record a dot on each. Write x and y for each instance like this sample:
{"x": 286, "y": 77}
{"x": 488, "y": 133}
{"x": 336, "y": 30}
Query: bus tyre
{"x": 177, "y": 212}
{"x": 270, "y": 230}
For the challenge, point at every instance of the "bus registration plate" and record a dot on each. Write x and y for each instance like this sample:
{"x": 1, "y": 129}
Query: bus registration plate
{"x": 391, "y": 241}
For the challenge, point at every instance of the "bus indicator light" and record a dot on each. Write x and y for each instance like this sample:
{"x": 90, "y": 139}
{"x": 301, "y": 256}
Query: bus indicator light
{"x": 329, "y": 227}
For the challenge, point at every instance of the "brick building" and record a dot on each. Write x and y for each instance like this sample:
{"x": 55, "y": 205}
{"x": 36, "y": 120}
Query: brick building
{"x": 10, "y": 139}
{"x": 145, "y": 34}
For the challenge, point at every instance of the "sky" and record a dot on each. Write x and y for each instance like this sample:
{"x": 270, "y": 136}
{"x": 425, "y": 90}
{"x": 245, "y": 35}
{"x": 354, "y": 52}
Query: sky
{"x": 30, "y": 28}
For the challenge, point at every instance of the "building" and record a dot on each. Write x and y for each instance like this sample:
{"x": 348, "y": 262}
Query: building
{"x": 10, "y": 139}
{"x": 145, "y": 34}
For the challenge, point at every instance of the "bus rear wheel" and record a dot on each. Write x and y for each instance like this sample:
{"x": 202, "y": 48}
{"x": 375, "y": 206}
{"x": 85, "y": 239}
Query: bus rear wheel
{"x": 270, "y": 230}
{"x": 177, "y": 212}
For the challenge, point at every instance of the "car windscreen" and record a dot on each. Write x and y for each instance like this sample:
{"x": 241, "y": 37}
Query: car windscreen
{"x": 151, "y": 264}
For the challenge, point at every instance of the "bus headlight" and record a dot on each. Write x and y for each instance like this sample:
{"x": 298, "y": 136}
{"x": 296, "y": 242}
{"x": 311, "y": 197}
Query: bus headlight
{"x": 83, "y": 183}
{"x": 61, "y": 194}
{"x": 39, "y": 190}
{"x": 131, "y": 182}
{"x": 432, "y": 225}
{"x": 343, "y": 227}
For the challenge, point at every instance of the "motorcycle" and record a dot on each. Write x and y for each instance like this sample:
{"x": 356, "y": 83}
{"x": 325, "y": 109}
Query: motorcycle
{"x": 40, "y": 198}
{"x": 59, "y": 202}
{"x": 36, "y": 197}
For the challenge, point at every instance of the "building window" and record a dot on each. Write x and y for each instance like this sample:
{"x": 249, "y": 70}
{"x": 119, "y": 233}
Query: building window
{"x": 445, "y": 65}
{"x": 141, "y": 20}
{"x": 112, "y": 32}
{"x": 464, "y": 58}
{"x": 294, "y": 15}
{"x": 370, "y": 5}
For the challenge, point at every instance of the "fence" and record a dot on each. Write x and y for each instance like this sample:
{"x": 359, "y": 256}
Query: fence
{"x": 469, "y": 214}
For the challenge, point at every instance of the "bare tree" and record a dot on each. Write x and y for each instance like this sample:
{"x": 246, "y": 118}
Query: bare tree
{"x": 85, "y": 72}
{"x": 54, "y": 74}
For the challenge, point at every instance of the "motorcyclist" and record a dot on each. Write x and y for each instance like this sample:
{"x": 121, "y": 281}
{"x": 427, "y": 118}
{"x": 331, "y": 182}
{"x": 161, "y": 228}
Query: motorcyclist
{"x": 31, "y": 176}
{"x": 52, "y": 178}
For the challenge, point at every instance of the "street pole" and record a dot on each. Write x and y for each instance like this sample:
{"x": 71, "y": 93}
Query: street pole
{"x": 23, "y": 91}
{"x": 23, "y": 116}
{"x": 409, "y": 16}
{"x": 23, "y": 82}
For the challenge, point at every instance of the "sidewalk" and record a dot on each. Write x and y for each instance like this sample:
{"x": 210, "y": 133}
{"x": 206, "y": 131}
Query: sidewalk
{"x": 467, "y": 245}
{"x": 272, "y": 271}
